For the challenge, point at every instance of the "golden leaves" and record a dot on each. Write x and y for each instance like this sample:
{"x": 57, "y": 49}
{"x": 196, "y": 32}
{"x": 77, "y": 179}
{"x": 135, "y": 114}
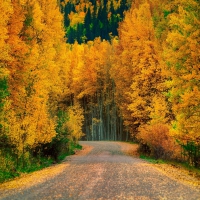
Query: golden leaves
{"x": 34, "y": 36}
{"x": 6, "y": 11}
{"x": 38, "y": 17}
{"x": 75, "y": 122}
{"x": 182, "y": 43}
{"x": 144, "y": 74}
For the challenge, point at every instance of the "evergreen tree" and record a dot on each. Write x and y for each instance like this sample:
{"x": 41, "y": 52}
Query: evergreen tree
{"x": 79, "y": 33}
{"x": 71, "y": 35}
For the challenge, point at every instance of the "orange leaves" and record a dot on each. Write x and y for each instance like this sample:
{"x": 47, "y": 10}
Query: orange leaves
{"x": 158, "y": 139}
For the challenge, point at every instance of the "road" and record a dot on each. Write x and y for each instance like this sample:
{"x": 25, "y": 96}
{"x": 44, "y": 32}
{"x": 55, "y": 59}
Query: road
{"x": 105, "y": 172}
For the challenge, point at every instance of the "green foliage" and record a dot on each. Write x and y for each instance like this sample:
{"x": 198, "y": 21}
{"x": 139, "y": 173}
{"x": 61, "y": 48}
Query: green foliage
{"x": 191, "y": 153}
{"x": 62, "y": 119}
{"x": 166, "y": 13}
{"x": 7, "y": 175}
{"x": 152, "y": 159}
{"x": 73, "y": 146}
{"x": 3, "y": 89}
{"x": 8, "y": 163}
{"x": 43, "y": 155}
{"x": 3, "y": 94}
{"x": 25, "y": 165}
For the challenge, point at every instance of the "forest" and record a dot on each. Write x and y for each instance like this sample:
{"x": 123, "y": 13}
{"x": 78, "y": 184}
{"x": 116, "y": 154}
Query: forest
{"x": 98, "y": 70}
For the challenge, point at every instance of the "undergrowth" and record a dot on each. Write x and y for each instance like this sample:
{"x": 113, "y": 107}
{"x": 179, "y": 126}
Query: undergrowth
{"x": 36, "y": 163}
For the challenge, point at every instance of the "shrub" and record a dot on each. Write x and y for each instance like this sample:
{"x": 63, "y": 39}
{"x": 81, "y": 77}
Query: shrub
{"x": 191, "y": 152}
{"x": 156, "y": 141}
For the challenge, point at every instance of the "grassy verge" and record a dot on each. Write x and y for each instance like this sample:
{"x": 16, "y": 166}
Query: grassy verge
{"x": 34, "y": 164}
{"x": 152, "y": 160}
{"x": 178, "y": 165}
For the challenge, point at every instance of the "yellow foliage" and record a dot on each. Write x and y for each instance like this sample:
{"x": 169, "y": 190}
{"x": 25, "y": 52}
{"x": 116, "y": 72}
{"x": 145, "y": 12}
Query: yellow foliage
{"x": 88, "y": 64}
{"x": 35, "y": 42}
{"x": 138, "y": 73}
{"x": 31, "y": 129}
{"x": 37, "y": 16}
{"x": 6, "y": 162}
{"x": 158, "y": 110}
{"x": 183, "y": 42}
{"x": 6, "y": 11}
{"x": 75, "y": 122}
{"x": 76, "y": 18}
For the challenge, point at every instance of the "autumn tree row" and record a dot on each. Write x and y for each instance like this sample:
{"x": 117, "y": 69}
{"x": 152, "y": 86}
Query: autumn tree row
{"x": 157, "y": 73}
{"x": 34, "y": 77}
{"x": 146, "y": 79}
{"x": 143, "y": 84}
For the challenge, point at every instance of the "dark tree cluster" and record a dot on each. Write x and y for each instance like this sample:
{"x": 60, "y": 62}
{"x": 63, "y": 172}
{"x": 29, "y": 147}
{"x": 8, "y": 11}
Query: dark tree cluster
{"x": 96, "y": 23}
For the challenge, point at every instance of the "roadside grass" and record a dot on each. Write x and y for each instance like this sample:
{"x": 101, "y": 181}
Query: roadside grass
{"x": 132, "y": 142}
{"x": 186, "y": 166}
{"x": 174, "y": 163}
{"x": 173, "y": 167}
{"x": 6, "y": 175}
{"x": 35, "y": 164}
{"x": 180, "y": 171}
{"x": 152, "y": 160}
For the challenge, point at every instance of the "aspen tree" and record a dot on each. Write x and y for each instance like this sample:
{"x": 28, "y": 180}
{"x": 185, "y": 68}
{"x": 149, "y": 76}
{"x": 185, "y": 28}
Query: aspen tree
{"x": 75, "y": 122}
{"x": 6, "y": 12}
{"x": 138, "y": 71}
{"x": 182, "y": 52}
{"x": 36, "y": 38}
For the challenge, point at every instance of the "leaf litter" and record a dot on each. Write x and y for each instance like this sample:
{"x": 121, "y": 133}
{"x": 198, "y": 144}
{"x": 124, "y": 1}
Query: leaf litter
{"x": 174, "y": 172}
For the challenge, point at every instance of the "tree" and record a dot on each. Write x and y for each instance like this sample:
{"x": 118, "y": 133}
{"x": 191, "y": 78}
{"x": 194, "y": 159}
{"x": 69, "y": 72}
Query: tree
{"x": 139, "y": 65}
{"x": 183, "y": 43}
{"x": 6, "y": 11}
{"x": 75, "y": 122}
{"x": 35, "y": 37}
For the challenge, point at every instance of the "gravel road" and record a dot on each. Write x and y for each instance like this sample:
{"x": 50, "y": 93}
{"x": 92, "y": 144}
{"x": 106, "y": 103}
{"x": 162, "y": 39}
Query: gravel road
{"x": 105, "y": 172}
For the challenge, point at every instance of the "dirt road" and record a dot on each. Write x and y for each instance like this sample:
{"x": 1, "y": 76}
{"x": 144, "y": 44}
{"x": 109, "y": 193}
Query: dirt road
{"x": 104, "y": 172}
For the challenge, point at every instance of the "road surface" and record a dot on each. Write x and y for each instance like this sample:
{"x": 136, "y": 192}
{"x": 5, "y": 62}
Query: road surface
{"x": 105, "y": 172}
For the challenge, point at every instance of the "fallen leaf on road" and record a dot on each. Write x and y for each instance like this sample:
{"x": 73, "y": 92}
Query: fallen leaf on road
{"x": 129, "y": 149}
{"x": 179, "y": 174}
